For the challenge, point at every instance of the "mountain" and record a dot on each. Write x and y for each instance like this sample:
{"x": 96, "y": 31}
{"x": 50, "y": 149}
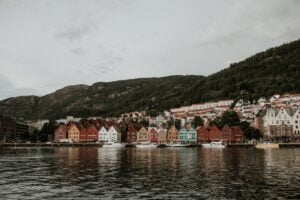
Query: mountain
{"x": 276, "y": 70}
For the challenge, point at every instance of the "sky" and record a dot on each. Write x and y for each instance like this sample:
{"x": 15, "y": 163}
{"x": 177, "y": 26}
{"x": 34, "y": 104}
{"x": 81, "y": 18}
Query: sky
{"x": 49, "y": 44}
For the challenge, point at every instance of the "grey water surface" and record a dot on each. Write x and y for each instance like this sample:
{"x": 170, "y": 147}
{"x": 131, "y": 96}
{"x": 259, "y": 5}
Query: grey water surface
{"x": 169, "y": 173}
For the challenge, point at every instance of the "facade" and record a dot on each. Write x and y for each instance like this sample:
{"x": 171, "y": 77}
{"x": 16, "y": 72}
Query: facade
{"x": 153, "y": 135}
{"x": 142, "y": 135}
{"x": 238, "y": 134}
{"x": 7, "y": 129}
{"x": 61, "y": 132}
{"x": 89, "y": 134}
{"x": 162, "y": 136}
{"x": 103, "y": 134}
{"x": 131, "y": 134}
{"x": 114, "y": 134}
{"x": 215, "y": 134}
{"x": 276, "y": 123}
{"x": 74, "y": 132}
{"x": 203, "y": 134}
{"x": 188, "y": 135}
{"x": 173, "y": 135}
{"x": 227, "y": 134}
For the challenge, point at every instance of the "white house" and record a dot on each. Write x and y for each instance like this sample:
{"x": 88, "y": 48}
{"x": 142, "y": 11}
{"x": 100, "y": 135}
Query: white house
{"x": 103, "y": 134}
{"x": 114, "y": 134}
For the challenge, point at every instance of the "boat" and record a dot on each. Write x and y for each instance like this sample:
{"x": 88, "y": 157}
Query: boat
{"x": 113, "y": 145}
{"x": 146, "y": 145}
{"x": 214, "y": 145}
{"x": 177, "y": 145}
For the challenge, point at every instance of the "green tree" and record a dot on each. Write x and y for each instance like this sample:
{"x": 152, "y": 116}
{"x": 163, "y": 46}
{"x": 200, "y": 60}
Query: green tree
{"x": 230, "y": 118}
{"x": 198, "y": 121}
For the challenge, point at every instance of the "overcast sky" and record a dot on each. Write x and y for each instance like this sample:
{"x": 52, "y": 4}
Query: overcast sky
{"x": 48, "y": 44}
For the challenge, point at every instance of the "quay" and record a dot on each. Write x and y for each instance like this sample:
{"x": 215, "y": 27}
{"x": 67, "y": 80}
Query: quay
{"x": 50, "y": 145}
{"x": 240, "y": 145}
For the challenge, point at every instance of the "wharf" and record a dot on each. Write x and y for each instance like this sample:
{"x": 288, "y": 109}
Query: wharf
{"x": 289, "y": 145}
{"x": 50, "y": 145}
{"x": 240, "y": 145}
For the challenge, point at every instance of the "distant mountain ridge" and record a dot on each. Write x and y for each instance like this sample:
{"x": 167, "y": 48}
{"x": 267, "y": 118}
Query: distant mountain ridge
{"x": 276, "y": 70}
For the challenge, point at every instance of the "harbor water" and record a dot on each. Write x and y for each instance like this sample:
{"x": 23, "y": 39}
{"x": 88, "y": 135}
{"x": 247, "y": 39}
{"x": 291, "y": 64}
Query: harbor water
{"x": 149, "y": 173}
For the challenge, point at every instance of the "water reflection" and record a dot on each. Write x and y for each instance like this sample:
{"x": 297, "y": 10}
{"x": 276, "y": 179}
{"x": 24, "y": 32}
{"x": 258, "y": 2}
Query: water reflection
{"x": 178, "y": 173}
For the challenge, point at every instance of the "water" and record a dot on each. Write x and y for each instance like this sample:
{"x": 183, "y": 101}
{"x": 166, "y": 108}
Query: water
{"x": 183, "y": 173}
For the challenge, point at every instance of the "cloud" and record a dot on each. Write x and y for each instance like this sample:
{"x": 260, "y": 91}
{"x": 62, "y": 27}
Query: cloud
{"x": 74, "y": 32}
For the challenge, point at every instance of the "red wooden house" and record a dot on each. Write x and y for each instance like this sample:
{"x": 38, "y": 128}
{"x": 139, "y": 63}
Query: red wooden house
{"x": 227, "y": 134}
{"x": 215, "y": 134}
{"x": 203, "y": 134}
{"x": 131, "y": 134}
{"x": 88, "y": 134}
{"x": 238, "y": 133}
{"x": 153, "y": 135}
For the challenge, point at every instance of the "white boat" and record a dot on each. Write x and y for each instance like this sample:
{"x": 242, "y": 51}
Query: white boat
{"x": 176, "y": 145}
{"x": 146, "y": 145}
{"x": 113, "y": 145}
{"x": 214, "y": 145}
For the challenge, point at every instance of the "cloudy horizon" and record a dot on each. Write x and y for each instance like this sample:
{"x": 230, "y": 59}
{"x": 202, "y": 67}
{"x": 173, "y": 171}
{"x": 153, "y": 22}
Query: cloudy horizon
{"x": 47, "y": 45}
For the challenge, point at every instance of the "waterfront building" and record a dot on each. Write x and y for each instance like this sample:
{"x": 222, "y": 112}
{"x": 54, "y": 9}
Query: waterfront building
{"x": 131, "y": 133}
{"x": 188, "y": 135}
{"x": 279, "y": 123}
{"x": 7, "y": 129}
{"x": 227, "y": 134}
{"x": 74, "y": 131}
{"x": 203, "y": 134}
{"x": 103, "y": 134}
{"x": 215, "y": 134}
{"x": 238, "y": 134}
{"x": 88, "y": 134}
{"x": 61, "y": 132}
{"x": 114, "y": 134}
{"x": 173, "y": 135}
{"x": 162, "y": 136}
{"x": 142, "y": 135}
{"x": 153, "y": 134}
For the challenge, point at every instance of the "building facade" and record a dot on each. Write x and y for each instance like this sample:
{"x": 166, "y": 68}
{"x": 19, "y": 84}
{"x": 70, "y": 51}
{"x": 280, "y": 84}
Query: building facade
{"x": 173, "y": 135}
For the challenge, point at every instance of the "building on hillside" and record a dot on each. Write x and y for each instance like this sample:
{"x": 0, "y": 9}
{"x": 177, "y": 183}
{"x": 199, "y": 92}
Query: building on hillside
{"x": 173, "y": 135}
{"x": 74, "y": 131}
{"x": 61, "y": 132}
{"x": 188, "y": 135}
{"x": 143, "y": 135}
{"x": 153, "y": 134}
{"x": 203, "y": 134}
{"x": 162, "y": 136}
{"x": 131, "y": 136}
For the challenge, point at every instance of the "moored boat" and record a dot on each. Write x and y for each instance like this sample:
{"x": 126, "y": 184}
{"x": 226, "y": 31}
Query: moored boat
{"x": 113, "y": 145}
{"x": 214, "y": 145}
{"x": 146, "y": 145}
{"x": 176, "y": 145}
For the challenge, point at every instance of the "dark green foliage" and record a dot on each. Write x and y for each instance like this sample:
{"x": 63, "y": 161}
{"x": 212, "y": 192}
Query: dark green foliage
{"x": 198, "y": 121}
{"x": 276, "y": 70}
{"x": 250, "y": 132}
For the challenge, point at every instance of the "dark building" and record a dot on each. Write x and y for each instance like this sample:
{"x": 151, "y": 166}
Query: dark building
{"x": 12, "y": 130}
{"x": 7, "y": 129}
